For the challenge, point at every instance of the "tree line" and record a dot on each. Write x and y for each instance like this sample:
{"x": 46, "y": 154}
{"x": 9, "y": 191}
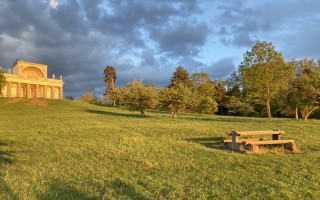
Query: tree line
{"x": 263, "y": 85}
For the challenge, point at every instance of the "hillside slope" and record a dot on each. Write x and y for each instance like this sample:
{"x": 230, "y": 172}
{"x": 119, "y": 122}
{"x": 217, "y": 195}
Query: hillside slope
{"x": 59, "y": 149}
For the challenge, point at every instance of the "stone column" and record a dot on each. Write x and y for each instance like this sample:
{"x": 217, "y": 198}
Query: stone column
{"x": 45, "y": 91}
{"x": 52, "y": 92}
{"x": 19, "y": 90}
{"x": 37, "y": 91}
{"x": 28, "y": 91}
{"x": 8, "y": 89}
{"x": 61, "y": 93}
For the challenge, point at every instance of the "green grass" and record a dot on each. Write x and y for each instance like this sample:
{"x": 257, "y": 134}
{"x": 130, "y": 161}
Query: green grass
{"x": 74, "y": 150}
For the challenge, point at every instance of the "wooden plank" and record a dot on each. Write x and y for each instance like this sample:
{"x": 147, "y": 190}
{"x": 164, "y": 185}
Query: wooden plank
{"x": 243, "y": 133}
{"x": 266, "y": 142}
{"x": 243, "y": 140}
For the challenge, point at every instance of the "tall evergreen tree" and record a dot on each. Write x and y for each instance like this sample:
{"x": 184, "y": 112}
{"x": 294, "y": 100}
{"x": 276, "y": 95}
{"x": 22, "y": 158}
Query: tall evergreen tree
{"x": 180, "y": 76}
{"x": 110, "y": 77}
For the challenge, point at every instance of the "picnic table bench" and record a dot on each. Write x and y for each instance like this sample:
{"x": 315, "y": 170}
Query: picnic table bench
{"x": 253, "y": 144}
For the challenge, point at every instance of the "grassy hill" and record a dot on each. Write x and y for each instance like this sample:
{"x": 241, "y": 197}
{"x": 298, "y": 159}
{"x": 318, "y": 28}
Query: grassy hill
{"x": 58, "y": 149}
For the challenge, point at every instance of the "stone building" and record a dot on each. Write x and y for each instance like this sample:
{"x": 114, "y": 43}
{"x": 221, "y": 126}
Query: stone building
{"x": 30, "y": 80}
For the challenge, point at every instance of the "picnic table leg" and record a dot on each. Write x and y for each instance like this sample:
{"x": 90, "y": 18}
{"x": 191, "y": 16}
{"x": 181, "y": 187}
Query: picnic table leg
{"x": 252, "y": 148}
{"x": 291, "y": 146}
{"x": 275, "y": 136}
{"x": 234, "y": 140}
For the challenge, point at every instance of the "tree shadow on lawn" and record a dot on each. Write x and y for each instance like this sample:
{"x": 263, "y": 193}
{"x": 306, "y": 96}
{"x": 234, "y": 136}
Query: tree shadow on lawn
{"x": 210, "y": 142}
{"x": 222, "y": 118}
{"x": 100, "y": 112}
{"x": 5, "y": 158}
{"x": 61, "y": 190}
{"x": 122, "y": 189}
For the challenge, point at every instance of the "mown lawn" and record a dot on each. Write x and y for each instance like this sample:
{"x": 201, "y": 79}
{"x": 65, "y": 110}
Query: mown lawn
{"x": 58, "y": 149}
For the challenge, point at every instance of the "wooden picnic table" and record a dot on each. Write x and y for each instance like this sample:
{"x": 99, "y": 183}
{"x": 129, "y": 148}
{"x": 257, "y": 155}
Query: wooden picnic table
{"x": 253, "y": 144}
{"x": 275, "y": 133}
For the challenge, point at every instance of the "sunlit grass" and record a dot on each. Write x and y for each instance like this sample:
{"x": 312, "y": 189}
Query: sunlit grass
{"x": 74, "y": 150}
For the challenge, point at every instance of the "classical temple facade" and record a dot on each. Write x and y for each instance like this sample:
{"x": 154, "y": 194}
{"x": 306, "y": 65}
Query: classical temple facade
{"x": 30, "y": 80}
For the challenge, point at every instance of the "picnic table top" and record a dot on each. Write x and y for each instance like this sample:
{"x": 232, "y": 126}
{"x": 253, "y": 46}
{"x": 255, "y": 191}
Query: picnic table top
{"x": 243, "y": 133}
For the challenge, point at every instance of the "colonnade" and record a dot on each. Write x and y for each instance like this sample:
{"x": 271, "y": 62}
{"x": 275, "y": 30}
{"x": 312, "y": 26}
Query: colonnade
{"x": 16, "y": 89}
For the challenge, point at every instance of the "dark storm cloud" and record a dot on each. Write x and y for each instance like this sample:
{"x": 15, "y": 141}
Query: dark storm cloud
{"x": 79, "y": 38}
{"x": 182, "y": 39}
{"x": 147, "y": 39}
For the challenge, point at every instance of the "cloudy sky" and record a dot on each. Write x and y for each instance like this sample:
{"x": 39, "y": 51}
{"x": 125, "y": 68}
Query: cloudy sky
{"x": 149, "y": 39}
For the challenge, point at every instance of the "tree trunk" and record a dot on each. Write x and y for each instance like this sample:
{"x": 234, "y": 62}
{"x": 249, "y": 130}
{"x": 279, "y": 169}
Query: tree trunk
{"x": 268, "y": 101}
{"x": 174, "y": 114}
{"x": 306, "y": 114}
{"x": 143, "y": 112}
{"x": 297, "y": 114}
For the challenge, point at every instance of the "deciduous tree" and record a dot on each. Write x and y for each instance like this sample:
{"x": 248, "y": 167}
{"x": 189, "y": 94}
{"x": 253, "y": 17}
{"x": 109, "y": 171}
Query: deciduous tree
{"x": 220, "y": 93}
{"x": 89, "y": 96}
{"x": 140, "y": 97}
{"x": 264, "y": 72}
{"x": 238, "y": 108}
{"x": 175, "y": 99}
{"x": 203, "y": 94}
{"x": 207, "y": 106}
{"x": 118, "y": 95}
{"x": 304, "y": 93}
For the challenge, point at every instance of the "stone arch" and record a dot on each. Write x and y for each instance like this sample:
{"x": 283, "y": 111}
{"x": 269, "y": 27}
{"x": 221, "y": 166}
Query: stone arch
{"x": 32, "y": 72}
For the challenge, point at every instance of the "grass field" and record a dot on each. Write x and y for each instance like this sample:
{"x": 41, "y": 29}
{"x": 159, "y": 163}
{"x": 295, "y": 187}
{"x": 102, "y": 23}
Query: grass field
{"x": 58, "y": 149}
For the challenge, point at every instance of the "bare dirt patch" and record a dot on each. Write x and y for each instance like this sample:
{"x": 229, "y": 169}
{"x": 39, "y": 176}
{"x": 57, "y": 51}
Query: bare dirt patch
{"x": 37, "y": 102}
{"x": 14, "y": 100}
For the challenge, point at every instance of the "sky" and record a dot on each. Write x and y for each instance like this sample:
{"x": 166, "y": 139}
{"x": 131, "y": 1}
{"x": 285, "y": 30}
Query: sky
{"x": 148, "y": 39}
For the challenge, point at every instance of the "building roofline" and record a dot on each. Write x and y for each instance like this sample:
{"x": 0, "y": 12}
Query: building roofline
{"x": 29, "y": 61}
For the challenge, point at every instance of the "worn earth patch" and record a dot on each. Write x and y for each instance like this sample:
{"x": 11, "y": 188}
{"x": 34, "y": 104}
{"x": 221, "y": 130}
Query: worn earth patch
{"x": 37, "y": 102}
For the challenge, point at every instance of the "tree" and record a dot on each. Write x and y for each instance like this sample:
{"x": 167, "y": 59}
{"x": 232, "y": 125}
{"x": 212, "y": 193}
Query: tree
{"x": 180, "y": 76}
{"x": 118, "y": 95}
{"x": 2, "y": 81}
{"x": 89, "y": 96}
{"x": 175, "y": 99}
{"x": 304, "y": 93}
{"x": 202, "y": 86}
{"x": 238, "y": 108}
{"x": 203, "y": 92}
{"x": 264, "y": 72}
{"x": 207, "y": 106}
{"x": 69, "y": 98}
{"x": 234, "y": 85}
{"x": 110, "y": 77}
{"x": 199, "y": 78}
{"x": 140, "y": 97}
{"x": 220, "y": 93}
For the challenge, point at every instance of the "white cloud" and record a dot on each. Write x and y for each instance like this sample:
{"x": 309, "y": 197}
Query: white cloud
{"x": 54, "y": 3}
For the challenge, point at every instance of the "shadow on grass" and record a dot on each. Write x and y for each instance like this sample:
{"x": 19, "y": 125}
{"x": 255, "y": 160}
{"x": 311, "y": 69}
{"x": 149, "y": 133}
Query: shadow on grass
{"x": 60, "y": 190}
{"x": 211, "y": 142}
{"x": 5, "y": 158}
{"x": 100, "y": 112}
{"x": 222, "y": 118}
{"x": 118, "y": 188}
